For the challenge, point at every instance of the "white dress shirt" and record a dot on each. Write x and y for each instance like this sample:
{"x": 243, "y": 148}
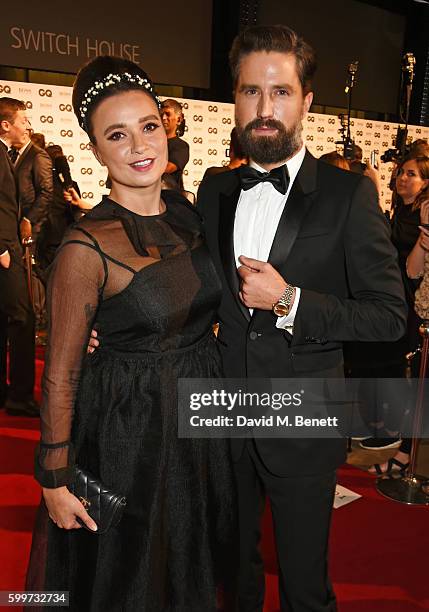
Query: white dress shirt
{"x": 256, "y": 219}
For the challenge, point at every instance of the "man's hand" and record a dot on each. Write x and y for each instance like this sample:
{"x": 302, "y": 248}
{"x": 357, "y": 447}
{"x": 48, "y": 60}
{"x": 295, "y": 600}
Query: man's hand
{"x": 93, "y": 342}
{"x": 25, "y": 229}
{"x": 5, "y": 260}
{"x": 261, "y": 285}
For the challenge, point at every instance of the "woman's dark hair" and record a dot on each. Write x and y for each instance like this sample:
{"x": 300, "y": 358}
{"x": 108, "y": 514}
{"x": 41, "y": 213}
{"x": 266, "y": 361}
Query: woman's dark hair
{"x": 177, "y": 107}
{"x": 54, "y": 151}
{"x": 335, "y": 159}
{"x": 423, "y": 167}
{"x": 102, "y": 77}
{"x": 274, "y": 38}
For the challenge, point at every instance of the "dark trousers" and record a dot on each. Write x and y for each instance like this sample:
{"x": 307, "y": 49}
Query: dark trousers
{"x": 301, "y": 509}
{"x": 17, "y": 327}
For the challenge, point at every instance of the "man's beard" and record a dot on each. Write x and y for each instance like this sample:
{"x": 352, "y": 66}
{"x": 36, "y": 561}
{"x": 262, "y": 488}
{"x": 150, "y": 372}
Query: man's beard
{"x": 270, "y": 149}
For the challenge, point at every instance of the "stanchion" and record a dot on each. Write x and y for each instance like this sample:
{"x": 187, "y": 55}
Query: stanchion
{"x": 411, "y": 488}
{"x": 27, "y": 243}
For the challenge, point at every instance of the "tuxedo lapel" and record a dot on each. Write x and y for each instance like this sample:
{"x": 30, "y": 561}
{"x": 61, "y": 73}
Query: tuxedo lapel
{"x": 298, "y": 204}
{"x": 227, "y": 207}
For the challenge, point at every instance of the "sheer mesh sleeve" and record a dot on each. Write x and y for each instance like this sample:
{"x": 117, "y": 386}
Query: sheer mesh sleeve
{"x": 74, "y": 289}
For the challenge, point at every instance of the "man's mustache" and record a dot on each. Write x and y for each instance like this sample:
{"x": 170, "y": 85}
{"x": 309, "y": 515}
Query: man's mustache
{"x": 271, "y": 124}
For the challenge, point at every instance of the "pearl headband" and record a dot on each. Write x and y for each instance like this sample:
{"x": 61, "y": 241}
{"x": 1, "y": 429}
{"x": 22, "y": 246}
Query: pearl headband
{"x": 108, "y": 81}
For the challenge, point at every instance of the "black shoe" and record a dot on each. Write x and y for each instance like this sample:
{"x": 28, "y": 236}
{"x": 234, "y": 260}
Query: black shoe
{"x": 380, "y": 443}
{"x": 29, "y": 408}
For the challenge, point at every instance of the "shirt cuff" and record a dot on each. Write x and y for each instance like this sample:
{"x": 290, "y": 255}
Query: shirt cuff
{"x": 287, "y": 321}
{"x": 5, "y": 253}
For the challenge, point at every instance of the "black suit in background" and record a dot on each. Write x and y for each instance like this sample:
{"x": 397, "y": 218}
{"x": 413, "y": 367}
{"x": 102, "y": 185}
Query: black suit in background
{"x": 333, "y": 242}
{"x": 16, "y": 313}
{"x": 33, "y": 171}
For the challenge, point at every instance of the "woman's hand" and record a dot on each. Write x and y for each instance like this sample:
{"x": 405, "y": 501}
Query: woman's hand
{"x": 64, "y": 508}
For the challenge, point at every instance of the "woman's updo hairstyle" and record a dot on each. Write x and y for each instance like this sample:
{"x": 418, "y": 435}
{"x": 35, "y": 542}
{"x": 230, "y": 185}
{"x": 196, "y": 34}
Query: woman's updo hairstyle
{"x": 106, "y": 76}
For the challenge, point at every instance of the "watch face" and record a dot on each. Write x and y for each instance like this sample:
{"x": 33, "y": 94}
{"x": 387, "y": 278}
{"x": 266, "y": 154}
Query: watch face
{"x": 281, "y": 310}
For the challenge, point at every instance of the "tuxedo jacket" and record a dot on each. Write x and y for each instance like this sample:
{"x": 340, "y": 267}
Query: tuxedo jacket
{"x": 333, "y": 242}
{"x": 9, "y": 207}
{"x": 33, "y": 171}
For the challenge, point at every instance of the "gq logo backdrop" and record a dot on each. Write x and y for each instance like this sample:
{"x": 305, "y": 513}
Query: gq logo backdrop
{"x": 208, "y": 130}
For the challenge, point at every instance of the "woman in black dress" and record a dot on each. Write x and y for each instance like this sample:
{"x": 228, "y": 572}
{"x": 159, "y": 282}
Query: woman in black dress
{"x": 135, "y": 267}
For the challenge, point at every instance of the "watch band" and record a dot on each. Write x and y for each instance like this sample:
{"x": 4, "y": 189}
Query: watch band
{"x": 282, "y": 307}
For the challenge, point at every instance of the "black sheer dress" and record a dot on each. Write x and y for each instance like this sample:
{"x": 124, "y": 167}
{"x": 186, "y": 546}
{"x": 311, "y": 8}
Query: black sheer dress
{"x": 149, "y": 287}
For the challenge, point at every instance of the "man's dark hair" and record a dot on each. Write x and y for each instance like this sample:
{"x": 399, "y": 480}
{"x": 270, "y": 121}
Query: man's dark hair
{"x": 9, "y": 107}
{"x": 278, "y": 38}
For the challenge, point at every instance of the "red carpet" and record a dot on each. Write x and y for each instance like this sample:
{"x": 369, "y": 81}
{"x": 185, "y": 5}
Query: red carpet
{"x": 379, "y": 549}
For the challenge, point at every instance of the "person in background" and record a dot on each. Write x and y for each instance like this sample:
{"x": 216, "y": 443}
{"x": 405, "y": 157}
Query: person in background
{"x": 60, "y": 215}
{"x": 17, "y": 323}
{"x": 33, "y": 171}
{"x": 410, "y": 199}
{"x": 237, "y": 157}
{"x": 173, "y": 121}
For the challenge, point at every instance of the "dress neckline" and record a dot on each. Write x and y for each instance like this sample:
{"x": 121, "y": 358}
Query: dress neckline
{"x": 132, "y": 213}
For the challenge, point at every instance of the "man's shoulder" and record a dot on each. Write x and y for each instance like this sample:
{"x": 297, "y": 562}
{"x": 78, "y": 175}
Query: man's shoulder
{"x": 220, "y": 181}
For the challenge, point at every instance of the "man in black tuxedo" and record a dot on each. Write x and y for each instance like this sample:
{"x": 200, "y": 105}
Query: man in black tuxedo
{"x": 16, "y": 313}
{"x": 306, "y": 263}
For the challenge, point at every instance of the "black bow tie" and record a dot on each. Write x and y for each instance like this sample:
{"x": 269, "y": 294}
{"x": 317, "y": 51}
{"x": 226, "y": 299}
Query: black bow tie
{"x": 278, "y": 177}
{"x": 13, "y": 154}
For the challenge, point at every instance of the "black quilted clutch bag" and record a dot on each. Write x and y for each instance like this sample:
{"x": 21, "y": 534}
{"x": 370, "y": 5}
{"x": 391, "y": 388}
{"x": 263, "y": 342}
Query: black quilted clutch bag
{"x": 103, "y": 506}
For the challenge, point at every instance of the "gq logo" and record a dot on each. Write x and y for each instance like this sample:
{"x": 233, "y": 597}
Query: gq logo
{"x": 212, "y": 130}
{"x": 309, "y": 137}
{"x": 65, "y": 107}
{"x": 196, "y": 183}
{"x": 185, "y": 172}
{"x": 212, "y": 109}
{"x": 319, "y": 148}
{"x": 45, "y": 92}
{"x": 330, "y": 139}
{"x": 84, "y": 146}
{"x": 46, "y": 119}
{"x": 29, "y": 104}
{"x": 197, "y": 117}
{"x": 185, "y": 105}
{"x": 197, "y": 140}
{"x": 331, "y": 120}
{"x": 320, "y": 129}
{"x": 226, "y": 141}
{"x": 310, "y": 119}
{"x": 197, "y": 162}
{"x": 70, "y": 158}
{"x": 101, "y": 183}
{"x": 212, "y": 151}
{"x": 5, "y": 89}
{"x": 87, "y": 195}
{"x": 86, "y": 170}
{"x": 368, "y": 124}
{"x": 226, "y": 120}
{"x": 67, "y": 133}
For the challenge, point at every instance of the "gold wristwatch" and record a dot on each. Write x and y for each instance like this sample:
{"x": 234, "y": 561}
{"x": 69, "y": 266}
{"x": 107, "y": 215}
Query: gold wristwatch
{"x": 282, "y": 307}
